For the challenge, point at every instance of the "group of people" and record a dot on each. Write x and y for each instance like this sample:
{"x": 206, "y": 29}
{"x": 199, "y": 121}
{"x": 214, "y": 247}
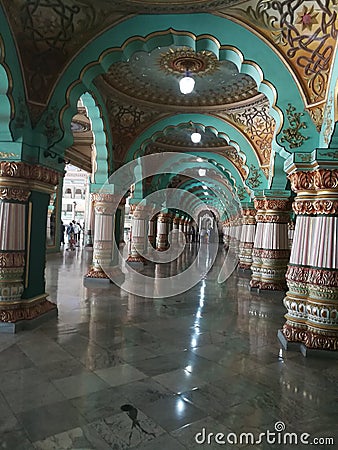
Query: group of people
{"x": 73, "y": 232}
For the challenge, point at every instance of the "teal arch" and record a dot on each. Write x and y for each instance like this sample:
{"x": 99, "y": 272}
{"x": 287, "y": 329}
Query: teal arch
{"x": 329, "y": 134}
{"x": 222, "y": 193}
{"x": 101, "y": 173}
{"x": 202, "y": 128}
{"x": 115, "y": 45}
{"x": 208, "y": 121}
{"x": 13, "y": 109}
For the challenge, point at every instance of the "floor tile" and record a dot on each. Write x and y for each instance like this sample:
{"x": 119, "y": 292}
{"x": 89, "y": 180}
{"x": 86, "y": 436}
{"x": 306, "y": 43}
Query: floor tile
{"x": 100, "y": 404}
{"x": 22, "y": 399}
{"x": 13, "y": 358}
{"x": 121, "y": 431}
{"x": 119, "y": 375}
{"x": 172, "y": 413}
{"x": 77, "y": 385}
{"x": 77, "y": 438}
{"x": 179, "y": 380}
{"x": 17, "y": 440}
{"x": 50, "y": 420}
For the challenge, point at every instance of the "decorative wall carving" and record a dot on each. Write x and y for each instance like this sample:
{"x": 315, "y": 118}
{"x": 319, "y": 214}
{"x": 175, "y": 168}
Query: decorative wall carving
{"x": 258, "y": 125}
{"x": 292, "y": 135}
{"x": 304, "y": 33}
{"x": 254, "y": 178}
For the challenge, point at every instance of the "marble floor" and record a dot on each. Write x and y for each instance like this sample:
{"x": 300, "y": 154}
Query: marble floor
{"x": 116, "y": 371}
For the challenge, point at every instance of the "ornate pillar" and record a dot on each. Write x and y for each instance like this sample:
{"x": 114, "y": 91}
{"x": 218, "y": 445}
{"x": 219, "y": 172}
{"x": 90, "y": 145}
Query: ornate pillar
{"x": 181, "y": 229}
{"x": 152, "y": 231}
{"x": 24, "y": 198}
{"x": 247, "y": 237}
{"x": 226, "y": 234}
{"x": 175, "y": 230}
{"x": 271, "y": 251}
{"x": 162, "y": 243}
{"x": 89, "y": 220}
{"x": 104, "y": 224}
{"x": 121, "y": 210}
{"x": 139, "y": 233}
{"x": 312, "y": 275}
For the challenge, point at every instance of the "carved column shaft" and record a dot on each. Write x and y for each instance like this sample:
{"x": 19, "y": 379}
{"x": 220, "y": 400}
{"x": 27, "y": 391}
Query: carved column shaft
{"x": 139, "y": 233}
{"x": 271, "y": 251}
{"x": 152, "y": 231}
{"x": 247, "y": 238}
{"x": 103, "y": 235}
{"x": 312, "y": 276}
{"x": 162, "y": 242}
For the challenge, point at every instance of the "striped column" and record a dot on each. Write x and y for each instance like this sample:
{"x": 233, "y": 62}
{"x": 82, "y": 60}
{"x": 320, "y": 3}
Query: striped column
{"x": 162, "y": 243}
{"x": 104, "y": 224}
{"x": 247, "y": 237}
{"x": 152, "y": 231}
{"x": 271, "y": 252}
{"x": 139, "y": 233}
{"x": 175, "y": 231}
{"x": 226, "y": 234}
{"x": 312, "y": 275}
{"x": 181, "y": 229}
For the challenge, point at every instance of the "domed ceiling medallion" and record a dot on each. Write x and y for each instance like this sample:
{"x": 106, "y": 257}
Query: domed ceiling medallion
{"x": 179, "y": 60}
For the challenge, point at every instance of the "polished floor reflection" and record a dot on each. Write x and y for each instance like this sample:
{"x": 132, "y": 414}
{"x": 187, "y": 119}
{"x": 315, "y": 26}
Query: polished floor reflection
{"x": 117, "y": 371}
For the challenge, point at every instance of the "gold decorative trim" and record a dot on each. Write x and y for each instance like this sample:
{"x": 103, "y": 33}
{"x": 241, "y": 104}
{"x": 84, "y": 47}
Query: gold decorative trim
{"x": 26, "y": 310}
{"x": 12, "y": 193}
{"x": 315, "y": 206}
{"x": 180, "y": 60}
{"x": 11, "y": 260}
{"x": 35, "y": 173}
{"x": 96, "y": 272}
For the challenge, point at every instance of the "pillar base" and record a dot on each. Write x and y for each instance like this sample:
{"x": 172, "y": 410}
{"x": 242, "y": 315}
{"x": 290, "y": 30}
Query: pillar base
{"x": 305, "y": 351}
{"x": 27, "y": 315}
{"x": 96, "y": 273}
{"x": 268, "y": 285}
{"x": 136, "y": 258}
{"x": 97, "y": 276}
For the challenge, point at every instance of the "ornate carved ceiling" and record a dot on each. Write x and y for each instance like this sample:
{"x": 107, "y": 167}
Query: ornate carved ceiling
{"x": 145, "y": 88}
{"x": 152, "y": 79}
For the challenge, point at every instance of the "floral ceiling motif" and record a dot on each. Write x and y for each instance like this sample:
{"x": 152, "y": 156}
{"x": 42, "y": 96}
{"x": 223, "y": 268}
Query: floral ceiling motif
{"x": 153, "y": 78}
{"x": 255, "y": 122}
{"x": 305, "y": 33}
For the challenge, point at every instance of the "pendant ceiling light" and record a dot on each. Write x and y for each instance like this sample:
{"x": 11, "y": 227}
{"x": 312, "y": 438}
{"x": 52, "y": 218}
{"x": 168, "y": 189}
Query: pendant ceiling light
{"x": 187, "y": 83}
{"x": 196, "y": 137}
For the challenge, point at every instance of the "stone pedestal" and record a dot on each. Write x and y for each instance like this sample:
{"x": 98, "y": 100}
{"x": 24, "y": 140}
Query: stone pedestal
{"x": 271, "y": 252}
{"x": 312, "y": 275}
